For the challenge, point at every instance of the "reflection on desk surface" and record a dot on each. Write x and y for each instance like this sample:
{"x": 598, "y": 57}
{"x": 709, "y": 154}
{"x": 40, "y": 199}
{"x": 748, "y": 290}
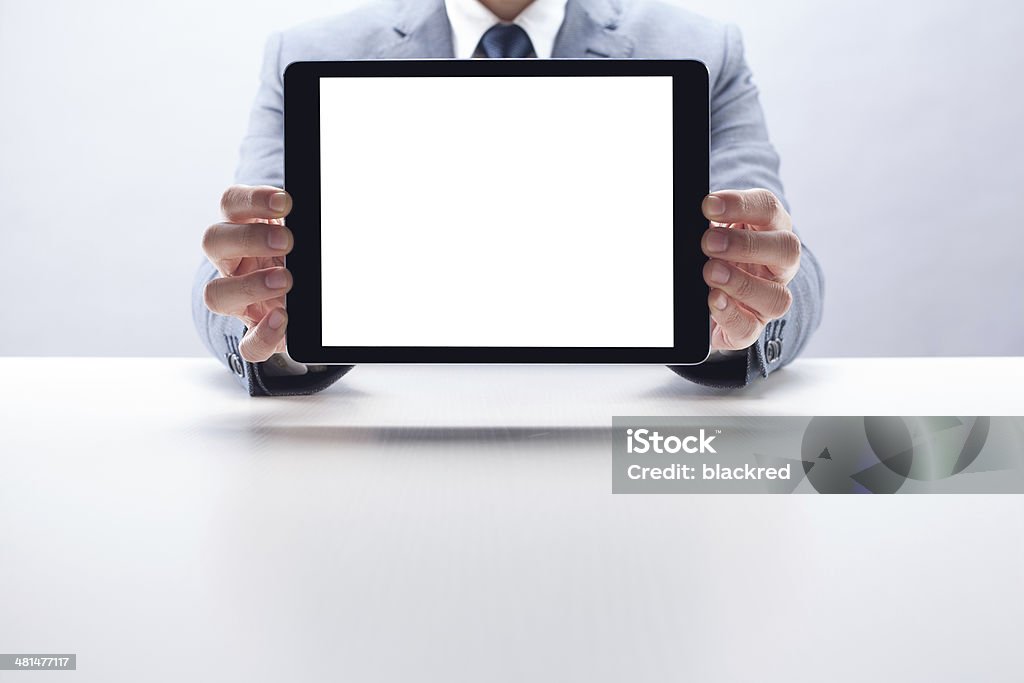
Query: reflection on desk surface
{"x": 456, "y": 523}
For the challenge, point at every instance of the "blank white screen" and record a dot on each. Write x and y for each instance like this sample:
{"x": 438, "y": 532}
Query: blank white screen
{"x": 512, "y": 211}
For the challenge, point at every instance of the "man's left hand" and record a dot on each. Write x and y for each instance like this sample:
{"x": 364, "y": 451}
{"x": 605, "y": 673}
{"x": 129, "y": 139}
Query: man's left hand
{"x": 754, "y": 254}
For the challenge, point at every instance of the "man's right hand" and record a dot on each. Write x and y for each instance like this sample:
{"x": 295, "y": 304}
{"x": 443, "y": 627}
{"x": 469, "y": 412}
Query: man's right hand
{"x": 248, "y": 250}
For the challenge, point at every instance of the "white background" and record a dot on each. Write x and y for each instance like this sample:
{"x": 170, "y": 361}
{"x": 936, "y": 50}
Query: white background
{"x": 897, "y": 122}
{"x": 566, "y": 250}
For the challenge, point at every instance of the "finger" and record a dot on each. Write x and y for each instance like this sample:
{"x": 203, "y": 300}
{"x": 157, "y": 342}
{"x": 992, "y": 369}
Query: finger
{"x": 232, "y": 295}
{"x": 245, "y": 203}
{"x": 232, "y": 241}
{"x": 260, "y": 342}
{"x": 765, "y": 298}
{"x": 737, "y": 326}
{"x": 753, "y": 207}
{"x": 778, "y": 249}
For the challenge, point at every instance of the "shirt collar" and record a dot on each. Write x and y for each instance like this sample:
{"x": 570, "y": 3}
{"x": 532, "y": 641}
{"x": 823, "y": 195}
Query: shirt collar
{"x": 470, "y": 20}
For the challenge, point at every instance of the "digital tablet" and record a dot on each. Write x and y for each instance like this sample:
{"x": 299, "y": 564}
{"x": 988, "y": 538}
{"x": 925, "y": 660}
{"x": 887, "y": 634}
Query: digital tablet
{"x": 497, "y": 211}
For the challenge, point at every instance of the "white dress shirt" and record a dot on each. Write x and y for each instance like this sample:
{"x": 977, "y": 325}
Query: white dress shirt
{"x": 470, "y": 20}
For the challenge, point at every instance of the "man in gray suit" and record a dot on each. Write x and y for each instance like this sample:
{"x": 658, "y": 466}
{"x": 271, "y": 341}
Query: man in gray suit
{"x": 766, "y": 290}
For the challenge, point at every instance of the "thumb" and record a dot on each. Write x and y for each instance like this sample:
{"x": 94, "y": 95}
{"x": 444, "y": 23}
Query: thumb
{"x": 260, "y": 342}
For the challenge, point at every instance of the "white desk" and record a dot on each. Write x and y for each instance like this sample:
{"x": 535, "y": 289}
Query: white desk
{"x": 456, "y": 524}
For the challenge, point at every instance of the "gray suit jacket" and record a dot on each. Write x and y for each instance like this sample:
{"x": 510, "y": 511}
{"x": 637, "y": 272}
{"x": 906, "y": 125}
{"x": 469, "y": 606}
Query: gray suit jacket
{"x": 741, "y": 155}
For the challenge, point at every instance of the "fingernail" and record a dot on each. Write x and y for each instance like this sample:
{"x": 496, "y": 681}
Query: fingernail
{"x": 276, "y": 319}
{"x": 277, "y": 239}
{"x": 276, "y": 279}
{"x": 714, "y": 206}
{"x": 720, "y": 273}
{"x": 278, "y": 201}
{"x": 717, "y": 241}
{"x": 719, "y": 301}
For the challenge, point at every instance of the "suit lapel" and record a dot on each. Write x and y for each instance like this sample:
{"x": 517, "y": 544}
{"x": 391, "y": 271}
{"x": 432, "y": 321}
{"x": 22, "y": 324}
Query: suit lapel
{"x": 589, "y": 30}
{"x": 421, "y": 31}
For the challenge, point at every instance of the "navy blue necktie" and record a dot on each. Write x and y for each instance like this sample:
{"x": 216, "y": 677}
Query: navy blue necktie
{"x": 508, "y": 41}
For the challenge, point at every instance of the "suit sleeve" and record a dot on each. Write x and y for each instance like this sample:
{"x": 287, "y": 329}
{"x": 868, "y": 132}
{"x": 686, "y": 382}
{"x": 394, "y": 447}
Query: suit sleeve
{"x": 742, "y": 157}
{"x": 261, "y": 162}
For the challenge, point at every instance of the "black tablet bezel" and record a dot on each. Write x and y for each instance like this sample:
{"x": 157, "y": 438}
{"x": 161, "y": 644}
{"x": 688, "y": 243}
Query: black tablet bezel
{"x": 691, "y": 154}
